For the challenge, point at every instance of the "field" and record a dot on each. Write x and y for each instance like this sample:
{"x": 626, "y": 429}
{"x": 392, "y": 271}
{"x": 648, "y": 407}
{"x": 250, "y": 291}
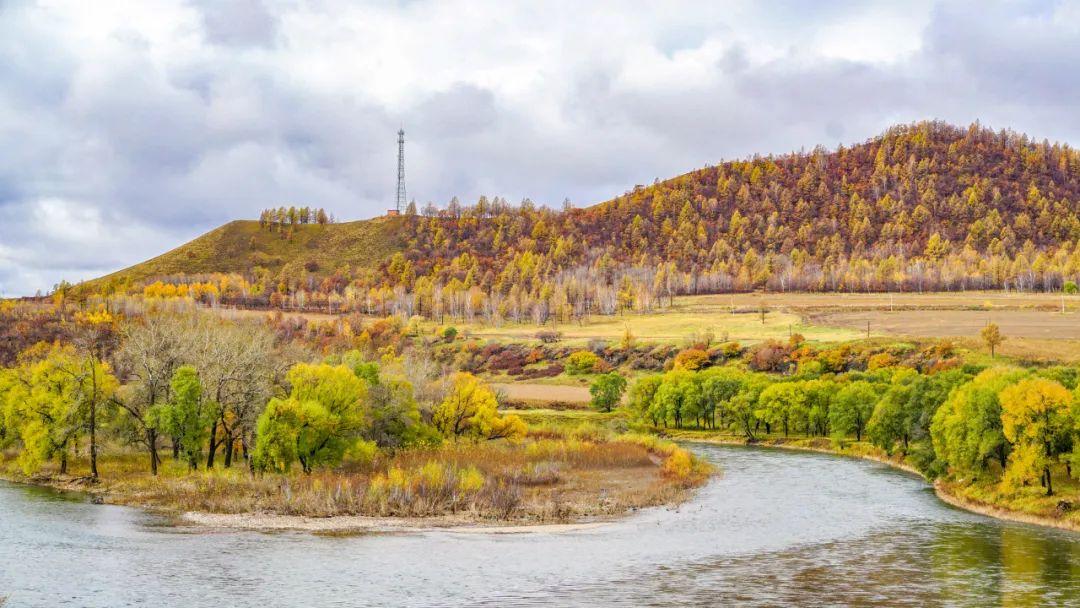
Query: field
{"x": 949, "y": 323}
{"x": 684, "y": 321}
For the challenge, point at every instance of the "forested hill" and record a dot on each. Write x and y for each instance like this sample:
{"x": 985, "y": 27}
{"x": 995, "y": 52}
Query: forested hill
{"x": 923, "y": 206}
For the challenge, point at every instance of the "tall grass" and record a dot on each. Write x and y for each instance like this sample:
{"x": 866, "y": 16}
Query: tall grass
{"x": 555, "y": 474}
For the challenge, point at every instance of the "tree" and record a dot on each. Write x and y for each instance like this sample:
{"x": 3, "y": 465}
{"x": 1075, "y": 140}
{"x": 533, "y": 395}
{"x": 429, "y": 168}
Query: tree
{"x": 607, "y": 390}
{"x": 470, "y": 410}
{"x": 641, "y": 398}
{"x": 151, "y": 352}
{"x": 317, "y": 424}
{"x": 53, "y": 397}
{"x": 1034, "y": 415}
{"x": 718, "y": 387}
{"x": 991, "y": 335}
{"x": 678, "y": 397}
{"x": 852, "y": 408}
{"x": 889, "y": 422}
{"x": 781, "y": 404}
{"x": 187, "y": 416}
{"x": 967, "y": 428}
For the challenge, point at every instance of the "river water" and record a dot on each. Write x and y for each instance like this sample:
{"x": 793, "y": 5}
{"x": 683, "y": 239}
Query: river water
{"x": 779, "y": 528}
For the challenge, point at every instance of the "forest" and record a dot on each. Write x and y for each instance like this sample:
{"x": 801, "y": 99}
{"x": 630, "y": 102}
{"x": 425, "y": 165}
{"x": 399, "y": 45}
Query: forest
{"x": 923, "y": 207}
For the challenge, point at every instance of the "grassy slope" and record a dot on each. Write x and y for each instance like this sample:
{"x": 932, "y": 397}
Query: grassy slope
{"x": 241, "y": 245}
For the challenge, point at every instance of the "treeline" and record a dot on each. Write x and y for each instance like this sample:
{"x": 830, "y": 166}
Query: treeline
{"x": 277, "y": 220}
{"x": 220, "y": 391}
{"x": 1018, "y": 424}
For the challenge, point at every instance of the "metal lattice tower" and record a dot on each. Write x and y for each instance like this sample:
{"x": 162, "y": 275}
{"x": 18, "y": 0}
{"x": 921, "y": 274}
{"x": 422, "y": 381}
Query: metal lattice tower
{"x": 401, "y": 171}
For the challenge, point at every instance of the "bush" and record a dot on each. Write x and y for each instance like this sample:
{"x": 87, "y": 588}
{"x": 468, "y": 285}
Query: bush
{"x": 881, "y": 361}
{"x": 1070, "y": 287}
{"x": 450, "y": 333}
{"x": 769, "y": 356}
{"x": 731, "y": 350}
{"x": 582, "y": 362}
{"x": 692, "y": 359}
{"x": 548, "y": 337}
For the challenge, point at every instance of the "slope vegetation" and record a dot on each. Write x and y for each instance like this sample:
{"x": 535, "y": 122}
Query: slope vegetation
{"x": 242, "y": 246}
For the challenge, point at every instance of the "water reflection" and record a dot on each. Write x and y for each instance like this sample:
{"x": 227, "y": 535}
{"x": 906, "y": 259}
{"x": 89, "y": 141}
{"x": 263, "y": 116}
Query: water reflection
{"x": 778, "y": 528}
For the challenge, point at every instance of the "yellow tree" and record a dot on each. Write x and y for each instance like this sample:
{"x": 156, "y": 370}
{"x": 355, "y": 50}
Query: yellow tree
{"x": 1034, "y": 415}
{"x": 991, "y": 334}
{"x": 470, "y": 409}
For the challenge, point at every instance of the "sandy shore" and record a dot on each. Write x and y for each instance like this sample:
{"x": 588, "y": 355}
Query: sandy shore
{"x": 358, "y": 524}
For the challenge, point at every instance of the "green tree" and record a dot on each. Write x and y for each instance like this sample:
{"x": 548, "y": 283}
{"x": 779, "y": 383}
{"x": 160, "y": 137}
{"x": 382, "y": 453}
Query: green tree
{"x": 852, "y": 408}
{"x": 967, "y": 428}
{"x": 782, "y": 404}
{"x": 718, "y": 387}
{"x": 641, "y": 397}
{"x": 677, "y": 398}
{"x": 322, "y": 418}
{"x": 743, "y": 405}
{"x": 51, "y": 398}
{"x": 187, "y": 416}
{"x": 889, "y": 422}
{"x": 607, "y": 390}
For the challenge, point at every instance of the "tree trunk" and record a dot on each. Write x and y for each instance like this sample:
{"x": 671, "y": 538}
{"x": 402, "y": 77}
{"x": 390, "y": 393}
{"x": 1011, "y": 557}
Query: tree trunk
{"x": 1049, "y": 482}
{"x": 213, "y": 446}
{"x": 63, "y": 462}
{"x": 93, "y": 439}
{"x": 151, "y": 445}
{"x": 228, "y": 451}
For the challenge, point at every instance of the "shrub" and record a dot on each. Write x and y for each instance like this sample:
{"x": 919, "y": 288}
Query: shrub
{"x": 692, "y": 359}
{"x": 582, "y": 362}
{"x": 1070, "y": 287}
{"x": 449, "y": 333}
{"x": 678, "y": 465}
{"x": 769, "y": 356}
{"x": 881, "y": 361}
{"x": 548, "y": 337}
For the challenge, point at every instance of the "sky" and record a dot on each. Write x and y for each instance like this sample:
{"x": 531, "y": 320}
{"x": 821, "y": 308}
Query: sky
{"x": 128, "y": 128}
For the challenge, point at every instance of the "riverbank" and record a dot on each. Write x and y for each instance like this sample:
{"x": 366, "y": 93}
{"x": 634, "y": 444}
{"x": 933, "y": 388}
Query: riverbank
{"x": 545, "y": 480}
{"x": 1064, "y": 515}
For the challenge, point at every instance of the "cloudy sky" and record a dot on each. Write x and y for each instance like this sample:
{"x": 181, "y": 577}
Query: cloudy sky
{"x": 130, "y": 127}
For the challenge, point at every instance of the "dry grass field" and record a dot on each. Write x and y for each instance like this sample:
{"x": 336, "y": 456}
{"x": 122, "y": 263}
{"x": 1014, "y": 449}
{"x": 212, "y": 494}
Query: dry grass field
{"x": 1028, "y": 323}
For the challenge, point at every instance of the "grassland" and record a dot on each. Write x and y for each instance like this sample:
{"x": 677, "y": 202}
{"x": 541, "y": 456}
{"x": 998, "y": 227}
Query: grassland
{"x": 682, "y": 322}
{"x": 241, "y": 245}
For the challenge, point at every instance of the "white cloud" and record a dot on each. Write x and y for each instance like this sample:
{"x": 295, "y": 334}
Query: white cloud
{"x": 132, "y": 126}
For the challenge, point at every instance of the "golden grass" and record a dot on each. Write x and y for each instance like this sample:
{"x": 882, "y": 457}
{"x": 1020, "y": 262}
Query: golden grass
{"x": 242, "y": 244}
{"x": 551, "y": 476}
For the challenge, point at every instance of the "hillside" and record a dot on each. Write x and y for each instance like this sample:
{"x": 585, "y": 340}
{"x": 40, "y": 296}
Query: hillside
{"x": 242, "y": 246}
{"x": 927, "y": 206}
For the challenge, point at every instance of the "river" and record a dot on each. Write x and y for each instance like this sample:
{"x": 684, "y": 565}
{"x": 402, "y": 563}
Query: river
{"x": 778, "y": 528}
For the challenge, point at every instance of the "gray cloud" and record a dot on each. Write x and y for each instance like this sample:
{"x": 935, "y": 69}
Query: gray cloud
{"x": 130, "y": 129}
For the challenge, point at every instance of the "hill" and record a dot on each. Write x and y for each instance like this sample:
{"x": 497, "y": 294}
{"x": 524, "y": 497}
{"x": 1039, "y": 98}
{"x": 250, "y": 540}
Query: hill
{"x": 242, "y": 246}
{"x": 926, "y": 206}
